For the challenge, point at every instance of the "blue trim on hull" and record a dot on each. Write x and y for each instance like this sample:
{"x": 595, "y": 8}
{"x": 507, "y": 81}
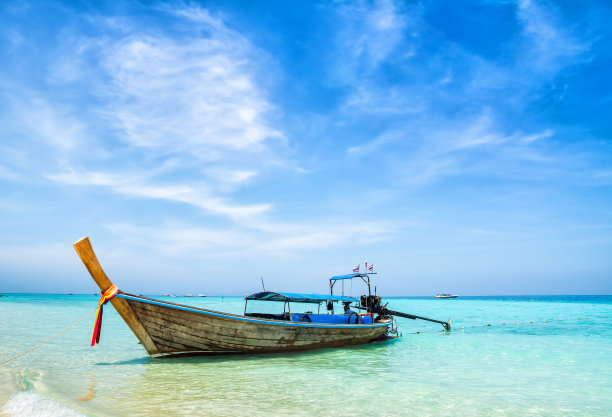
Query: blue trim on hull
{"x": 249, "y": 319}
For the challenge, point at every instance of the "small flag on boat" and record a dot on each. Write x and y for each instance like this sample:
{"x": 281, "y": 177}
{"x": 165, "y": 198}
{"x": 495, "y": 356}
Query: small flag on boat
{"x": 366, "y": 266}
{"x": 356, "y": 270}
{"x": 371, "y": 268}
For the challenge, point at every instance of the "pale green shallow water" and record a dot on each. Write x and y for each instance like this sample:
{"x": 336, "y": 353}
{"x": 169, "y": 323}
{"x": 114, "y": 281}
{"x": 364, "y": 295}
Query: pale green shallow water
{"x": 563, "y": 367}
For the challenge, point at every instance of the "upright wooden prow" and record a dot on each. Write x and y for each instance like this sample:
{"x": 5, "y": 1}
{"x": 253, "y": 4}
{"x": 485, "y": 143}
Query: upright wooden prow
{"x": 88, "y": 256}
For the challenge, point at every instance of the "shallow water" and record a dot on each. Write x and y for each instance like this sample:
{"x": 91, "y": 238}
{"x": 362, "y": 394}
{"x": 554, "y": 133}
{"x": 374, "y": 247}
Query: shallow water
{"x": 558, "y": 365}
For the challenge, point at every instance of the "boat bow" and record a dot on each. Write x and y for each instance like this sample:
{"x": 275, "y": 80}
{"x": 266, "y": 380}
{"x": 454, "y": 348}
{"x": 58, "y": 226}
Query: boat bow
{"x": 88, "y": 257}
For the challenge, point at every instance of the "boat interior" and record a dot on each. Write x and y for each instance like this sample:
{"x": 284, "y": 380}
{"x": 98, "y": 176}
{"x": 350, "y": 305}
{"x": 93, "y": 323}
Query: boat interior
{"x": 348, "y": 316}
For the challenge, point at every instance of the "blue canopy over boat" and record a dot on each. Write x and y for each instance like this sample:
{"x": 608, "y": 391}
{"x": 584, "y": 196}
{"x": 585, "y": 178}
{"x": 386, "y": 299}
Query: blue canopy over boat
{"x": 349, "y": 276}
{"x": 297, "y": 298}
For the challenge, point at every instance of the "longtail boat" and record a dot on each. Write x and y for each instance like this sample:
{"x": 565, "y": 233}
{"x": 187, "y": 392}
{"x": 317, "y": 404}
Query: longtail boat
{"x": 165, "y": 328}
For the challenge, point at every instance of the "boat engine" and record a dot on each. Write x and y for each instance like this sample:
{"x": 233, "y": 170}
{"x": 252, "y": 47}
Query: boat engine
{"x": 371, "y": 302}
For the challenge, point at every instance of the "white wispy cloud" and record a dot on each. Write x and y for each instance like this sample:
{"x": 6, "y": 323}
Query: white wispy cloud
{"x": 547, "y": 133}
{"x": 55, "y": 126}
{"x": 436, "y": 138}
{"x": 189, "y": 124}
{"x": 380, "y": 28}
{"x": 543, "y": 45}
{"x": 145, "y": 187}
{"x": 205, "y": 101}
{"x": 195, "y": 13}
{"x": 263, "y": 239}
{"x": 550, "y": 43}
{"x": 178, "y": 118}
{"x": 476, "y": 138}
{"x": 427, "y": 150}
{"x": 371, "y": 35}
{"x": 386, "y": 138}
{"x": 479, "y": 132}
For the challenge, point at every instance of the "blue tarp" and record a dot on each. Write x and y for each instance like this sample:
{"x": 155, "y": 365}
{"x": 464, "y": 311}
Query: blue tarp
{"x": 297, "y": 298}
{"x": 348, "y": 276}
{"x": 331, "y": 318}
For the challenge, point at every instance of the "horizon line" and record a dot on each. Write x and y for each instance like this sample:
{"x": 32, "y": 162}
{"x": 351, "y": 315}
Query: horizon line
{"x": 394, "y": 296}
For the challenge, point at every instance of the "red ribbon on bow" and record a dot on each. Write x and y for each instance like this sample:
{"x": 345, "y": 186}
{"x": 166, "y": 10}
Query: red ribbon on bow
{"x": 106, "y": 297}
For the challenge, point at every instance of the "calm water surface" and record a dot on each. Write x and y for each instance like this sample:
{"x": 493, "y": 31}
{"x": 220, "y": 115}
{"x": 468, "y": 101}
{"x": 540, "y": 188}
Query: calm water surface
{"x": 561, "y": 364}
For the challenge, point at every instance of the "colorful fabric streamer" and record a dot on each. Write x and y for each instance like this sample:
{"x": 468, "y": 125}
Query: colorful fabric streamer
{"x": 106, "y": 297}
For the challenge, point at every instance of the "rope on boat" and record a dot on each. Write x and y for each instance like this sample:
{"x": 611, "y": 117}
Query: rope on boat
{"x": 48, "y": 340}
{"x": 416, "y": 331}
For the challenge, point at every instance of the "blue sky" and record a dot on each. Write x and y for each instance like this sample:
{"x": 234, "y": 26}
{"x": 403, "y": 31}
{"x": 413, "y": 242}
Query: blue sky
{"x": 459, "y": 146}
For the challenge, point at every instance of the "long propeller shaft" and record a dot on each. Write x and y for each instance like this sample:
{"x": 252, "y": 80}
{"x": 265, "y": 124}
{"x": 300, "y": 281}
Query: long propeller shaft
{"x": 413, "y": 317}
{"x": 386, "y": 312}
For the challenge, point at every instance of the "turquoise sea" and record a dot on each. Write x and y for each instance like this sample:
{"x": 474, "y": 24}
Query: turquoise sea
{"x": 540, "y": 356}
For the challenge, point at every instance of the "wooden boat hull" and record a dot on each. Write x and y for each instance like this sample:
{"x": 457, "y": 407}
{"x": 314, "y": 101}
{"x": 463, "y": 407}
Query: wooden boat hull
{"x": 166, "y": 328}
{"x": 178, "y": 329}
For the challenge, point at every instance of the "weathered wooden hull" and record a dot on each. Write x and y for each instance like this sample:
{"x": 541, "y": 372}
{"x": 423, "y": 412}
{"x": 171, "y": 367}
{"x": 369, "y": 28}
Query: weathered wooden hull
{"x": 166, "y": 328}
{"x": 178, "y": 329}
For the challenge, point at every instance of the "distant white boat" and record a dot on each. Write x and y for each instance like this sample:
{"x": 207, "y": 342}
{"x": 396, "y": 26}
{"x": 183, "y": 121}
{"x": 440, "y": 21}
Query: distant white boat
{"x": 165, "y": 295}
{"x": 445, "y": 296}
{"x": 201, "y": 295}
